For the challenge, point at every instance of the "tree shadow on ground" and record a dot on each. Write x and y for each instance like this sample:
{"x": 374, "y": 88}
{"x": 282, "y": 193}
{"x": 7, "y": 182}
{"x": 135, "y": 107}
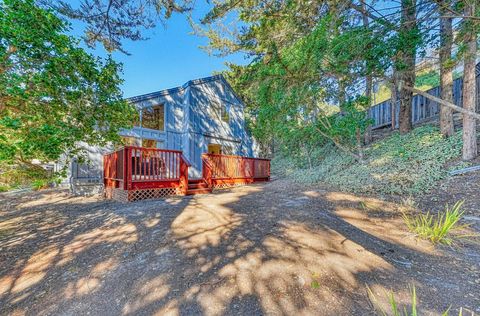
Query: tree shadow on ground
{"x": 251, "y": 250}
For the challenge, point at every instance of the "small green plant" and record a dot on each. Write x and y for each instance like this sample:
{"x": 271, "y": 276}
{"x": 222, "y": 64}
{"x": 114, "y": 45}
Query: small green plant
{"x": 394, "y": 308}
{"x": 3, "y": 188}
{"x": 39, "y": 184}
{"x": 436, "y": 228}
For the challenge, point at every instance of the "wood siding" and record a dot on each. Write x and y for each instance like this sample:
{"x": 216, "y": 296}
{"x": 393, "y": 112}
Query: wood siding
{"x": 190, "y": 124}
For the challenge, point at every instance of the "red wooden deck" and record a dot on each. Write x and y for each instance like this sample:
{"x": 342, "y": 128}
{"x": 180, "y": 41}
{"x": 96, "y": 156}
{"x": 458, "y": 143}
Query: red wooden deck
{"x": 135, "y": 173}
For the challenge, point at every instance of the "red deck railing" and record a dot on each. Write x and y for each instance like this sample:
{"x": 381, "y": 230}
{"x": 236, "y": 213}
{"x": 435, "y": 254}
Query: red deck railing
{"x": 133, "y": 168}
{"x": 137, "y": 169}
{"x": 226, "y": 169}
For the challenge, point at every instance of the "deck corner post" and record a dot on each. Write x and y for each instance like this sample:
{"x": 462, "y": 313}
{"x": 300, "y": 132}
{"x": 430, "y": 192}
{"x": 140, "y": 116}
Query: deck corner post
{"x": 183, "y": 176}
{"x": 126, "y": 172}
{"x": 206, "y": 171}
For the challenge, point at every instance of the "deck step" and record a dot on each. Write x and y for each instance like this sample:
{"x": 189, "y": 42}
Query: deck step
{"x": 200, "y": 185}
{"x": 199, "y": 191}
{"x": 195, "y": 180}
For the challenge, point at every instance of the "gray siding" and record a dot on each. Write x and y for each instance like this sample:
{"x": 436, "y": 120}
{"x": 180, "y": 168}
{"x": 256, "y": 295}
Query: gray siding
{"x": 190, "y": 124}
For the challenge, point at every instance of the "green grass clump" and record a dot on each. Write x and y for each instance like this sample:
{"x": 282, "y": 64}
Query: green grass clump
{"x": 436, "y": 228}
{"x": 394, "y": 308}
{"x": 399, "y": 164}
{"x": 40, "y": 184}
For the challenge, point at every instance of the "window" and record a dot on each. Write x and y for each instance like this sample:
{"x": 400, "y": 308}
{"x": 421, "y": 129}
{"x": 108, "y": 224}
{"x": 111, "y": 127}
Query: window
{"x": 221, "y": 111}
{"x": 154, "y": 117}
{"x": 214, "y": 149}
{"x": 130, "y": 141}
{"x": 225, "y": 115}
{"x": 228, "y": 150}
{"x": 149, "y": 143}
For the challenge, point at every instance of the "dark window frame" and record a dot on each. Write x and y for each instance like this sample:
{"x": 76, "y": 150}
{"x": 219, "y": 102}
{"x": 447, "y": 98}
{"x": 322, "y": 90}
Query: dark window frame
{"x": 157, "y": 114}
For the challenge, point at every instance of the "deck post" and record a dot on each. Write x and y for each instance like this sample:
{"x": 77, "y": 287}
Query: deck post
{"x": 253, "y": 170}
{"x": 206, "y": 170}
{"x": 183, "y": 176}
{"x": 125, "y": 168}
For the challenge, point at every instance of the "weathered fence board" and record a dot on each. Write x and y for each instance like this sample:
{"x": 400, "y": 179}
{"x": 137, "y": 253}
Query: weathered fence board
{"x": 422, "y": 108}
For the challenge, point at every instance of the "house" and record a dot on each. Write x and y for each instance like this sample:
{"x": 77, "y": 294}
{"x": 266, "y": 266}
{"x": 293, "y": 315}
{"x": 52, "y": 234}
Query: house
{"x": 201, "y": 116}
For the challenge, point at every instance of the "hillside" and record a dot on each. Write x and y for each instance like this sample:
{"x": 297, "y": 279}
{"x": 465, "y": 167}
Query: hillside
{"x": 398, "y": 164}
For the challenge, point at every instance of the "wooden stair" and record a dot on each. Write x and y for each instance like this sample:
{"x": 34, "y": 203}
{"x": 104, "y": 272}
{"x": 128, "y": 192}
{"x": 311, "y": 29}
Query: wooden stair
{"x": 198, "y": 186}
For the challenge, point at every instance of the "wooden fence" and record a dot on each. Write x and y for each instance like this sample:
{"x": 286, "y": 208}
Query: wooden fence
{"x": 422, "y": 108}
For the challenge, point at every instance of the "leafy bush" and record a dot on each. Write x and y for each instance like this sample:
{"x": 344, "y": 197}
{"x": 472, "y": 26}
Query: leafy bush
{"x": 398, "y": 164}
{"x": 40, "y": 184}
{"x": 436, "y": 228}
{"x": 14, "y": 176}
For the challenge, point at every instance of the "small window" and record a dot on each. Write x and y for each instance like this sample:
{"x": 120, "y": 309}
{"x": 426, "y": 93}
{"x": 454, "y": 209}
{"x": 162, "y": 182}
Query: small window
{"x": 154, "y": 117}
{"x": 221, "y": 110}
{"x": 225, "y": 114}
{"x": 149, "y": 143}
{"x": 130, "y": 141}
{"x": 228, "y": 150}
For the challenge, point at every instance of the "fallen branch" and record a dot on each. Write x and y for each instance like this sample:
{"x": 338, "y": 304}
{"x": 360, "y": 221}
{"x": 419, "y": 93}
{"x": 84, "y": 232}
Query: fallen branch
{"x": 443, "y": 102}
{"x": 464, "y": 170}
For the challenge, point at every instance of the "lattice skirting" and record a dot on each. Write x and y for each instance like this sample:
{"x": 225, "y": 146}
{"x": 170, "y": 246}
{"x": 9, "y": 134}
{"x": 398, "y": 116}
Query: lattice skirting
{"x": 228, "y": 185}
{"x": 137, "y": 195}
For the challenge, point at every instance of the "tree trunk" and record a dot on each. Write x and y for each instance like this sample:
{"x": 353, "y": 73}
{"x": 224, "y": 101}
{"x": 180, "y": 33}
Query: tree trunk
{"x": 406, "y": 67}
{"x": 393, "y": 100}
{"x": 446, "y": 70}
{"x": 368, "y": 80}
{"x": 469, "y": 88}
{"x": 342, "y": 96}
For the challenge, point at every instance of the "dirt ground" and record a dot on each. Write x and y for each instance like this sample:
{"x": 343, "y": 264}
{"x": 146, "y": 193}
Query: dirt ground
{"x": 277, "y": 248}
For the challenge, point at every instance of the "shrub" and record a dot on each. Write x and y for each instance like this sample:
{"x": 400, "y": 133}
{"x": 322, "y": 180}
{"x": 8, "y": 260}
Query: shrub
{"x": 22, "y": 175}
{"x": 40, "y": 184}
{"x": 436, "y": 228}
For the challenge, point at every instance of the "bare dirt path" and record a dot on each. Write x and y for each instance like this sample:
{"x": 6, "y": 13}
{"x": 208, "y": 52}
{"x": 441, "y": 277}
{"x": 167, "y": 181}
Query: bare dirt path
{"x": 275, "y": 248}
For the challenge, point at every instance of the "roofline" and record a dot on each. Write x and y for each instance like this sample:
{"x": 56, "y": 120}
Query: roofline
{"x": 189, "y": 83}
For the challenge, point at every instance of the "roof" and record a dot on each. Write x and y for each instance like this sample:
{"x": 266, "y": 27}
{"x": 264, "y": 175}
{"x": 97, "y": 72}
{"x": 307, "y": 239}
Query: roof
{"x": 193, "y": 82}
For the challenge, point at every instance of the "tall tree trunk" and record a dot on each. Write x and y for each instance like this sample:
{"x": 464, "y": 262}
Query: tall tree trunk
{"x": 406, "y": 67}
{"x": 368, "y": 78}
{"x": 446, "y": 69}
{"x": 342, "y": 95}
{"x": 469, "y": 86}
{"x": 393, "y": 99}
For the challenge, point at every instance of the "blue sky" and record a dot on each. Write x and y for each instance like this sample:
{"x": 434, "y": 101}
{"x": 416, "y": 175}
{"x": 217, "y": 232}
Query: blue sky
{"x": 170, "y": 57}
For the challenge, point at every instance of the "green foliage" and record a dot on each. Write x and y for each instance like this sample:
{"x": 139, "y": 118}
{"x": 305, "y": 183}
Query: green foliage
{"x": 14, "y": 176}
{"x": 109, "y": 22}
{"x": 53, "y": 95}
{"x": 345, "y": 127}
{"x": 399, "y": 164}
{"x": 428, "y": 80}
{"x": 40, "y": 184}
{"x": 436, "y": 228}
